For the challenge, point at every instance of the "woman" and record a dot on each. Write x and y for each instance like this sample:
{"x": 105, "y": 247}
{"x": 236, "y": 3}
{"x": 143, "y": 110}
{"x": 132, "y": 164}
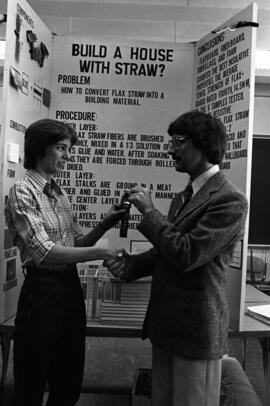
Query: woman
{"x": 49, "y": 342}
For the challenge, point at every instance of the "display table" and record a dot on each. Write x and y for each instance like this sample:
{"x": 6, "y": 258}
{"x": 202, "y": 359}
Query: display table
{"x": 252, "y": 328}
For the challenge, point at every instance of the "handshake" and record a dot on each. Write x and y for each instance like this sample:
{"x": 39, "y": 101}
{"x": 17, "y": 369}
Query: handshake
{"x": 119, "y": 262}
{"x": 120, "y": 266}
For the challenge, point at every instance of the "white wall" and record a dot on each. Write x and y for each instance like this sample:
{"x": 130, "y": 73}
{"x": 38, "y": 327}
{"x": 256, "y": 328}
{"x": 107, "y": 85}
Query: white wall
{"x": 262, "y": 116}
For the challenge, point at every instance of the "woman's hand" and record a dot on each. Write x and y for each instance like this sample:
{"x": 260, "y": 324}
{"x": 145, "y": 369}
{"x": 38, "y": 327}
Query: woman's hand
{"x": 112, "y": 217}
{"x": 121, "y": 267}
{"x": 111, "y": 255}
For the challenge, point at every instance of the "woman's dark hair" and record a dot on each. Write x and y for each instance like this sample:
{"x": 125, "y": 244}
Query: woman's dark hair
{"x": 40, "y": 135}
{"x": 207, "y": 133}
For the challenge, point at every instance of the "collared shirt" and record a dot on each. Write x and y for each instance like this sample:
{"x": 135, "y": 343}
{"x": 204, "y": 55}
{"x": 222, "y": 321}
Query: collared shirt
{"x": 39, "y": 215}
{"x": 203, "y": 178}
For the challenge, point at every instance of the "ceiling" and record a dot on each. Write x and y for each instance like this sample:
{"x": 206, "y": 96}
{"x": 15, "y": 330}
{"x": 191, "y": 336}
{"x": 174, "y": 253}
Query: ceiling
{"x": 168, "y": 20}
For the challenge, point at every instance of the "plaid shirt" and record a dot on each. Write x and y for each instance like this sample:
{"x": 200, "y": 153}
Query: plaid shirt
{"x": 39, "y": 216}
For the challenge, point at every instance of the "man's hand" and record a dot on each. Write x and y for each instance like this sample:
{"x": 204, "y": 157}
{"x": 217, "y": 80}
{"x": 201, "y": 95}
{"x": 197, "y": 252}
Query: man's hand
{"x": 141, "y": 198}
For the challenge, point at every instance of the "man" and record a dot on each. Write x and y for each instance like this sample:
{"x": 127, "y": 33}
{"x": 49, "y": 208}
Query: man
{"x": 49, "y": 340}
{"x": 187, "y": 316}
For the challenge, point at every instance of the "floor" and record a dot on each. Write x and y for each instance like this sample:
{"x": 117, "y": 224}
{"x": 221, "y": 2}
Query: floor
{"x": 115, "y": 360}
{"x": 254, "y": 371}
{"x": 102, "y": 400}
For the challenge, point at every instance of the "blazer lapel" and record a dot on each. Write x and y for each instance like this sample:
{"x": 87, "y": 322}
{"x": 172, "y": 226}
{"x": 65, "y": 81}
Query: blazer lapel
{"x": 211, "y": 186}
{"x": 174, "y": 207}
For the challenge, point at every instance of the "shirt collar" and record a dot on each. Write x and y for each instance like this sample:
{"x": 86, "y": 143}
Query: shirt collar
{"x": 41, "y": 183}
{"x": 203, "y": 178}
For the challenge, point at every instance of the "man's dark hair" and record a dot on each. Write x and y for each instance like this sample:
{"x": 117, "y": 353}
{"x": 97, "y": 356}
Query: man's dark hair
{"x": 207, "y": 133}
{"x": 40, "y": 135}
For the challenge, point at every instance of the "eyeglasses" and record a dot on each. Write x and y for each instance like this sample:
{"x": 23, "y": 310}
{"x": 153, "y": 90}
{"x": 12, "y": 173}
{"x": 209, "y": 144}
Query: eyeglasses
{"x": 177, "y": 141}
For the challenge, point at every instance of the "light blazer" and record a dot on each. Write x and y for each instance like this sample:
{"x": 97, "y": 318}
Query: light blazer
{"x": 187, "y": 312}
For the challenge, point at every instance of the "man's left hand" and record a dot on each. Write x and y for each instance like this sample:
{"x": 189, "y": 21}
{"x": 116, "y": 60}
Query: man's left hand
{"x": 141, "y": 198}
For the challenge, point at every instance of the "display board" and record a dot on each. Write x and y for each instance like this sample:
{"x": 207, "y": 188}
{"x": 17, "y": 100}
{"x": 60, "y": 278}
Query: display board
{"x": 223, "y": 85}
{"x": 259, "y": 231}
{"x": 120, "y": 97}
{"x": 26, "y": 98}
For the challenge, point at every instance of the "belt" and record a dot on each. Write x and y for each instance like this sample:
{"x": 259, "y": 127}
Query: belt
{"x": 59, "y": 267}
{"x": 51, "y": 272}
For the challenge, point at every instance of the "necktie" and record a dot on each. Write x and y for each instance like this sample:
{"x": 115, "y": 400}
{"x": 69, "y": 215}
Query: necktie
{"x": 185, "y": 198}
